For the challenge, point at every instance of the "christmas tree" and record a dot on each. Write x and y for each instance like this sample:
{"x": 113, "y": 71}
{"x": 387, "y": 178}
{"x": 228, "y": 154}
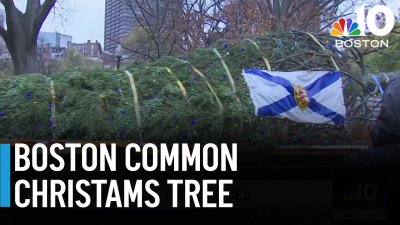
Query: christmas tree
{"x": 184, "y": 98}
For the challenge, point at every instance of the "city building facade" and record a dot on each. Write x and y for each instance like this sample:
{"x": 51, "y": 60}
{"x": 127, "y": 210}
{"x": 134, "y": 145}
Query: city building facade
{"x": 88, "y": 49}
{"x": 4, "y": 54}
{"x": 119, "y": 22}
{"x": 54, "y": 39}
{"x": 122, "y": 17}
{"x": 53, "y": 45}
{"x": 46, "y": 51}
{"x": 2, "y": 17}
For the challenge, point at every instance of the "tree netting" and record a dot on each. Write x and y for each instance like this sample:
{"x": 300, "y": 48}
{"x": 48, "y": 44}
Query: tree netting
{"x": 184, "y": 98}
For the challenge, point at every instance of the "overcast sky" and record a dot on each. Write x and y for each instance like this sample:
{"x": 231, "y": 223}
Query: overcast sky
{"x": 84, "y": 19}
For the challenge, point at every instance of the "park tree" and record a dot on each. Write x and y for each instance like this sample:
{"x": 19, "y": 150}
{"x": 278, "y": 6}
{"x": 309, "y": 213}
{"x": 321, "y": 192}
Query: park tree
{"x": 300, "y": 14}
{"x": 22, "y": 32}
{"x": 202, "y": 23}
{"x": 254, "y": 17}
{"x": 154, "y": 34}
{"x": 246, "y": 19}
{"x": 385, "y": 59}
{"x": 171, "y": 26}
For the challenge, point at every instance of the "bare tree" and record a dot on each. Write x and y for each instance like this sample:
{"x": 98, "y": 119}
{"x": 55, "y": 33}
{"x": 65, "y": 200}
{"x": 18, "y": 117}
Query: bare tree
{"x": 201, "y": 23}
{"x": 22, "y": 32}
{"x": 302, "y": 14}
{"x": 253, "y": 17}
{"x": 154, "y": 34}
{"x": 170, "y": 26}
{"x": 246, "y": 18}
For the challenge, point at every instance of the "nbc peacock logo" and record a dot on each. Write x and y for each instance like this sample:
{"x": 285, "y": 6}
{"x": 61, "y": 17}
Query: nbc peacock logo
{"x": 345, "y": 27}
{"x": 357, "y": 27}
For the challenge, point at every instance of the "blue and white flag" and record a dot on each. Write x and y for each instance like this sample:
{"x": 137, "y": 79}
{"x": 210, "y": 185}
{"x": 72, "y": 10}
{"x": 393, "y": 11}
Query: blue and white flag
{"x": 303, "y": 96}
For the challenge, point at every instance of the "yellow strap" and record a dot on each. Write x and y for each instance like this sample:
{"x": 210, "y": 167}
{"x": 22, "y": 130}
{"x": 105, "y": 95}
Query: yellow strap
{"x": 136, "y": 101}
{"x": 168, "y": 70}
{"x": 323, "y": 48}
{"x": 221, "y": 107}
{"x": 53, "y": 108}
{"x": 267, "y": 63}
{"x": 265, "y": 58}
{"x": 180, "y": 85}
{"x": 334, "y": 63}
{"x": 228, "y": 72}
{"x": 316, "y": 40}
{"x": 232, "y": 81}
{"x": 254, "y": 43}
{"x": 183, "y": 90}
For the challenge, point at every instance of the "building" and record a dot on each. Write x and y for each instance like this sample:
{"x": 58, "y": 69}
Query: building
{"x": 4, "y": 54}
{"x": 54, "y": 39}
{"x": 53, "y": 45}
{"x": 2, "y": 17}
{"x": 88, "y": 49}
{"x": 120, "y": 19}
{"x": 119, "y": 22}
{"x": 93, "y": 51}
{"x": 46, "y": 51}
{"x": 109, "y": 60}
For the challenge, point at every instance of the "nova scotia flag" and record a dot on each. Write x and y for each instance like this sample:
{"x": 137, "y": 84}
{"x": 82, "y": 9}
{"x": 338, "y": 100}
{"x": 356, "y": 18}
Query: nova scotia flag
{"x": 302, "y": 96}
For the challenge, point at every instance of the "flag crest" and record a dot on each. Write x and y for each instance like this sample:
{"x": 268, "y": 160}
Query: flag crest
{"x": 302, "y": 96}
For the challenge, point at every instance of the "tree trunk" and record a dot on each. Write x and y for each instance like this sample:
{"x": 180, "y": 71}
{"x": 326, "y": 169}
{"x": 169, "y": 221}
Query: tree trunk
{"x": 24, "y": 54}
{"x": 22, "y": 32}
{"x": 21, "y": 41}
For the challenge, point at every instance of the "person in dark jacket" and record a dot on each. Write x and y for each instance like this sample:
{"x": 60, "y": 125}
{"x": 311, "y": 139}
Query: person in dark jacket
{"x": 387, "y": 129}
{"x": 385, "y": 135}
{"x": 375, "y": 173}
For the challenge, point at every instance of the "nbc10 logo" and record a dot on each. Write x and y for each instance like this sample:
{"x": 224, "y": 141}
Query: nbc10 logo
{"x": 350, "y": 28}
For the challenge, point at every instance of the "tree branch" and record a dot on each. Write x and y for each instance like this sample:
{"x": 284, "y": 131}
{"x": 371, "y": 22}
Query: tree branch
{"x": 43, "y": 13}
{"x": 32, "y": 7}
{"x": 3, "y": 34}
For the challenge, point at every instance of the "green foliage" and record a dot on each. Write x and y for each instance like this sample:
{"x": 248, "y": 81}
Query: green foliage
{"x": 24, "y": 102}
{"x": 147, "y": 47}
{"x": 73, "y": 61}
{"x": 98, "y": 104}
{"x": 76, "y": 60}
{"x": 388, "y": 59}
